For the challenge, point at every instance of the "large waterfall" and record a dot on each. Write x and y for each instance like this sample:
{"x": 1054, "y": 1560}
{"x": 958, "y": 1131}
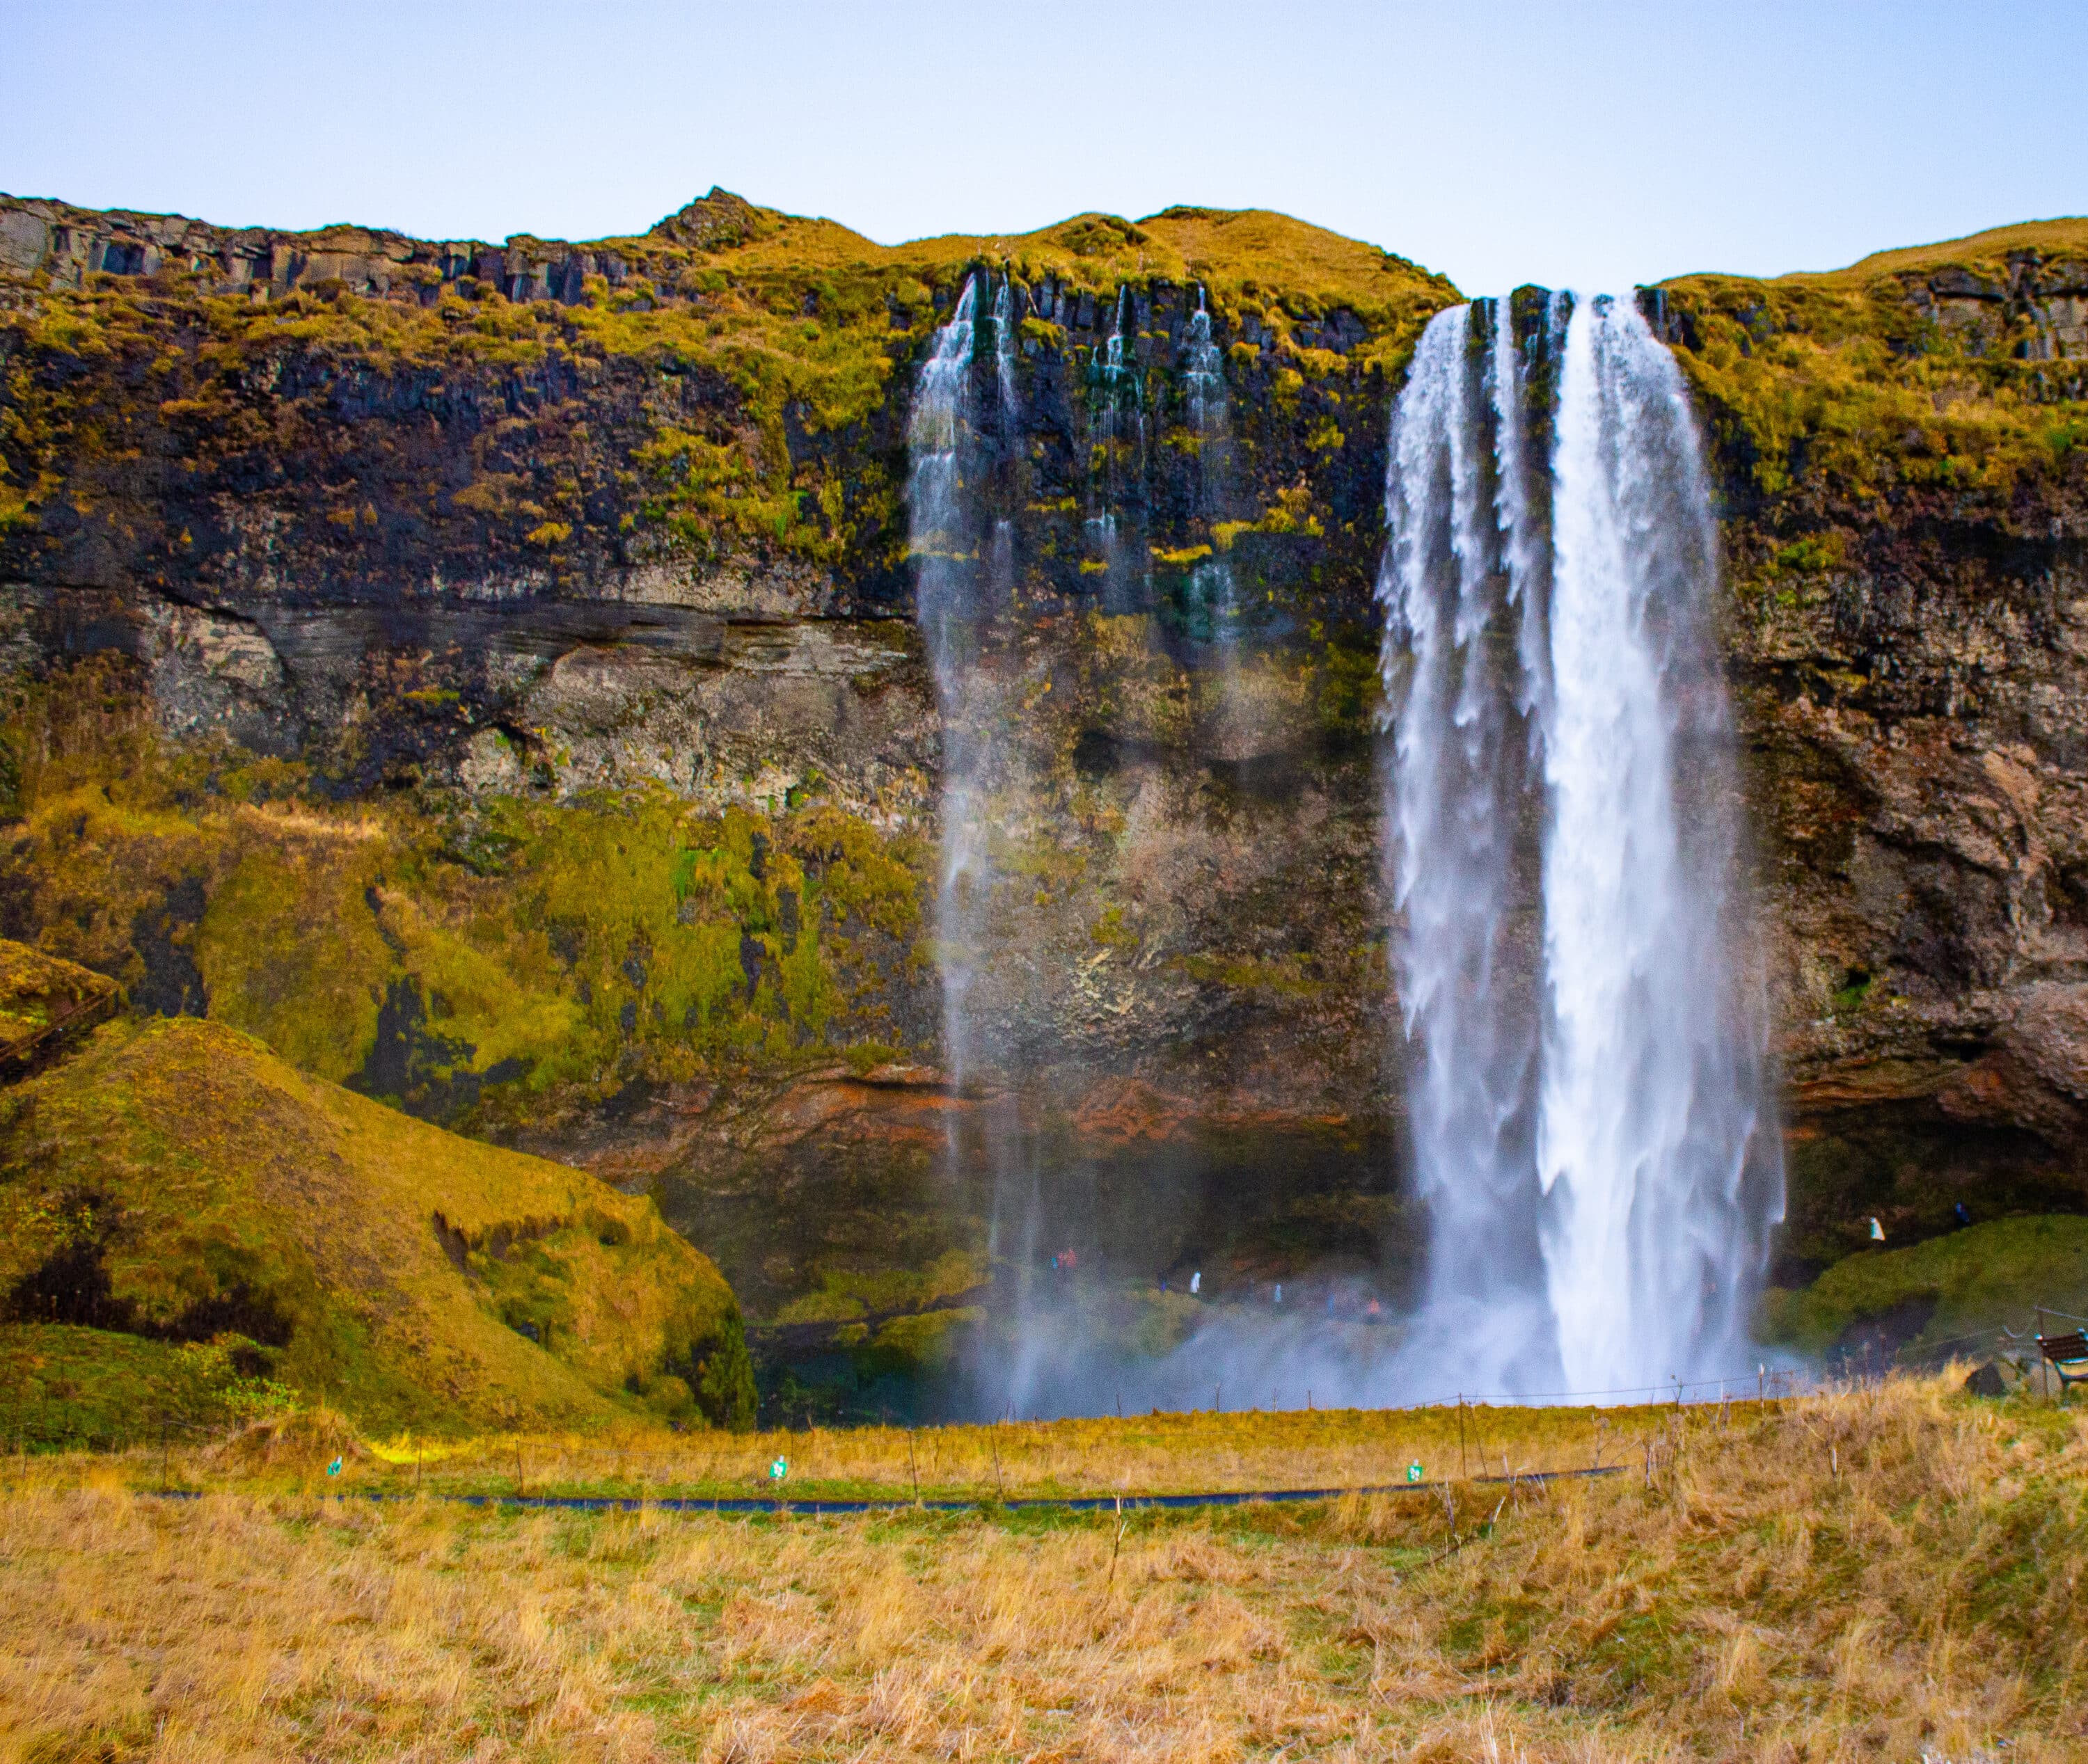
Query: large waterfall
{"x": 1587, "y": 1106}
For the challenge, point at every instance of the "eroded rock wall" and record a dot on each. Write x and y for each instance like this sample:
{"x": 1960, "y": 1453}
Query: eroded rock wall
{"x": 454, "y": 533}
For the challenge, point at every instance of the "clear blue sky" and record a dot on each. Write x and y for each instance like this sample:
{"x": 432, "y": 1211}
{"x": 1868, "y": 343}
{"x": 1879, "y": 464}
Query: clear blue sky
{"x": 1586, "y": 145}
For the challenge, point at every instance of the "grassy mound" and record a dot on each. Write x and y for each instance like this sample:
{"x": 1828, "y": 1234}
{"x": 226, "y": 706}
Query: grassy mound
{"x": 1942, "y": 1290}
{"x": 177, "y": 1180}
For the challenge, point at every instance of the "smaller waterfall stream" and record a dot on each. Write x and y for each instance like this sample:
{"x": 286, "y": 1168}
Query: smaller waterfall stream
{"x": 1003, "y": 353}
{"x": 944, "y": 542}
{"x": 1119, "y": 435}
{"x": 1213, "y": 591}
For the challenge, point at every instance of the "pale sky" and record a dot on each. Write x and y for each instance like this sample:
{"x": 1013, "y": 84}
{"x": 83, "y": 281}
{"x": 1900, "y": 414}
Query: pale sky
{"x": 1590, "y": 145}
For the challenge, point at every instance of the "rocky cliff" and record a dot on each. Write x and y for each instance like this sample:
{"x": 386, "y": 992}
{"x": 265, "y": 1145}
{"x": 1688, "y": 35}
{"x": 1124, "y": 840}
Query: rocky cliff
{"x": 489, "y": 674}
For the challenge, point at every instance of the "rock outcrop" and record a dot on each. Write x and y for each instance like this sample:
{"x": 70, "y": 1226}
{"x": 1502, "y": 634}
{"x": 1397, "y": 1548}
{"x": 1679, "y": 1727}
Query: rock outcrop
{"x": 485, "y": 549}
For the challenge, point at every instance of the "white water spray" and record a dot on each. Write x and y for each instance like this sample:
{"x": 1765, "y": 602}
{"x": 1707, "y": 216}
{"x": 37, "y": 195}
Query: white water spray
{"x": 1587, "y": 1105}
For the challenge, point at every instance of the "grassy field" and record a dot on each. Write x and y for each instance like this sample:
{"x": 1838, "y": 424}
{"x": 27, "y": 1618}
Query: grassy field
{"x": 1156, "y": 1454}
{"x": 1894, "y": 1574}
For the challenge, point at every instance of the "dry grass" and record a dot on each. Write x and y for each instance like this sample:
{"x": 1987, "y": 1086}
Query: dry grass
{"x": 1893, "y": 1574}
{"x": 1156, "y": 1454}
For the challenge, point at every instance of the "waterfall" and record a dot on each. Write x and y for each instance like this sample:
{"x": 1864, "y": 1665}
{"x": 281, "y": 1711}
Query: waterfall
{"x": 945, "y": 549}
{"x": 1116, "y": 392}
{"x": 1203, "y": 375}
{"x": 1003, "y": 352}
{"x": 1587, "y": 1099}
{"x": 1213, "y": 592}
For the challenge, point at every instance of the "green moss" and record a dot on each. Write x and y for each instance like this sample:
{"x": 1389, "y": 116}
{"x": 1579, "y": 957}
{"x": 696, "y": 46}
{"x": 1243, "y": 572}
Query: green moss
{"x": 387, "y": 1266}
{"x": 1288, "y": 976}
{"x": 64, "y": 1386}
{"x": 290, "y": 951}
{"x": 542, "y": 949}
{"x": 1976, "y": 1278}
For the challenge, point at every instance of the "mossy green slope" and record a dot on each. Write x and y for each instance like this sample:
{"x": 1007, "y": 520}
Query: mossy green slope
{"x": 1976, "y": 1279}
{"x": 179, "y": 1179}
{"x": 45, "y": 1001}
{"x": 64, "y": 1386}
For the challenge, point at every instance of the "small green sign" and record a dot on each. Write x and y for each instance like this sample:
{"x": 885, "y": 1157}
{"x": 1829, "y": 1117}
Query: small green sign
{"x": 1414, "y": 1471}
{"x": 779, "y": 1470}
{"x": 333, "y": 1469}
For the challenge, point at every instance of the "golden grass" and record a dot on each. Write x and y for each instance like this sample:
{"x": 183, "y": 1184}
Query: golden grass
{"x": 1891, "y": 1574}
{"x": 2056, "y": 238}
{"x": 1156, "y": 1454}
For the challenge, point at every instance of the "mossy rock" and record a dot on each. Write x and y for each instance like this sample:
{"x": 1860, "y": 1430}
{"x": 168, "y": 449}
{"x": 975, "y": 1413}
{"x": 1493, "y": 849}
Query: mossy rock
{"x": 488, "y": 964}
{"x": 46, "y": 1002}
{"x": 176, "y": 1180}
{"x": 1948, "y": 1288}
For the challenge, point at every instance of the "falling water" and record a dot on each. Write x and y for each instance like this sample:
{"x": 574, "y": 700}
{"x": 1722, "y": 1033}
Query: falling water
{"x": 965, "y": 556}
{"x": 1587, "y": 1104}
{"x": 945, "y": 550}
{"x": 1214, "y": 591}
{"x": 1203, "y": 375}
{"x": 1003, "y": 352}
{"x": 1120, "y": 410}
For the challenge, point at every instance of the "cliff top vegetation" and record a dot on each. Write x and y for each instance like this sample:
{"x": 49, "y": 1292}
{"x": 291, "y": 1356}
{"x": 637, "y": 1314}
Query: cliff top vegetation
{"x": 722, "y": 387}
{"x": 131, "y": 336}
{"x": 2064, "y": 236}
{"x": 1948, "y": 381}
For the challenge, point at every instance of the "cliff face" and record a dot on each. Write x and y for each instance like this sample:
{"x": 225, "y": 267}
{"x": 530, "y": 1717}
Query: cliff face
{"x": 1906, "y": 504}
{"x": 489, "y": 673}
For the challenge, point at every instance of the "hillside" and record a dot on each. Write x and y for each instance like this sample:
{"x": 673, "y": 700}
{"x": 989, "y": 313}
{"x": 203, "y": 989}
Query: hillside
{"x": 175, "y": 1182}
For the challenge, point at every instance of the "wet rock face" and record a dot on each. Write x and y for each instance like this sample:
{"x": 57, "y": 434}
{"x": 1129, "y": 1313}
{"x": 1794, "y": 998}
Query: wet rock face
{"x": 456, "y": 578}
{"x": 1920, "y": 788}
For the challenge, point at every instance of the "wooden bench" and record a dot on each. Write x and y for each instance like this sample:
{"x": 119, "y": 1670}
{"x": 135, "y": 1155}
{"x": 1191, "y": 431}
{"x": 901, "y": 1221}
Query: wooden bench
{"x": 2063, "y": 1351}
